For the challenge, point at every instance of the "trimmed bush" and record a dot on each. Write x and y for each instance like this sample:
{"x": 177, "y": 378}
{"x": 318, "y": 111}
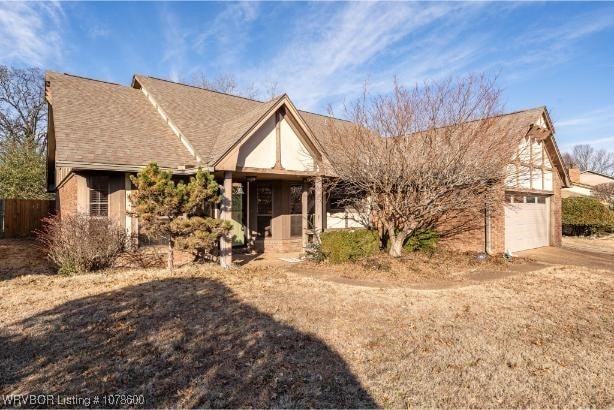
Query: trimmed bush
{"x": 423, "y": 240}
{"x": 586, "y": 216}
{"x": 80, "y": 243}
{"x": 348, "y": 245}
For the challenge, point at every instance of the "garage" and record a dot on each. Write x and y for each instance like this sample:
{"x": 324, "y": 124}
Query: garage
{"x": 527, "y": 222}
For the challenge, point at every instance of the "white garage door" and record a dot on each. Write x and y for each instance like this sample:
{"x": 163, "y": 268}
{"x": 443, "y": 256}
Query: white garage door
{"x": 527, "y": 222}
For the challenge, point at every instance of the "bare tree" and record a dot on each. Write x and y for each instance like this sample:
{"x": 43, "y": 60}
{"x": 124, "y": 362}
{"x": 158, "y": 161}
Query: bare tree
{"x": 23, "y": 133}
{"x": 568, "y": 160}
{"x": 587, "y": 158}
{"x": 605, "y": 192}
{"x": 271, "y": 89}
{"x": 428, "y": 157}
{"x": 224, "y": 83}
{"x": 23, "y": 110}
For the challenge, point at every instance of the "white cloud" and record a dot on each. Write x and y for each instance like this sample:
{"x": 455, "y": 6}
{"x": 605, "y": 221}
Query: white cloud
{"x": 30, "y": 33}
{"x": 592, "y": 127}
{"x": 175, "y": 47}
{"x": 598, "y": 143}
{"x": 339, "y": 47}
{"x": 599, "y": 116}
{"x": 222, "y": 40}
{"x": 98, "y": 31}
{"x": 550, "y": 43}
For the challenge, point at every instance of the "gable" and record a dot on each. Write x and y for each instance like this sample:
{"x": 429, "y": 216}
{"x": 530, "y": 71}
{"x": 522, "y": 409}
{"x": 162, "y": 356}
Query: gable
{"x": 532, "y": 167}
{"x": 261, "y": 150}
{"x": 258, "y": 151}
{"x": 295, "y": 156}
{"x": 278, "y": 142}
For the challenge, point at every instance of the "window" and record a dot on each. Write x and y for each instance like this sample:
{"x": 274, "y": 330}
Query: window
{"x": 531, "y": 199}
{"x": 296, "y": 210}
{"x": 541, "y": 199}
{"x": 99, "y": 196}
{"x": 508, "y": 199}
{"x": 296, "y": 205}
{"x": 337, "y": 200}
{"x": 264, "y": 206}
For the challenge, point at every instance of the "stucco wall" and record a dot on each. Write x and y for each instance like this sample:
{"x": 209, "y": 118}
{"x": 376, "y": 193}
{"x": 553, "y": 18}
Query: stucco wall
{"x": 260, "y": 150}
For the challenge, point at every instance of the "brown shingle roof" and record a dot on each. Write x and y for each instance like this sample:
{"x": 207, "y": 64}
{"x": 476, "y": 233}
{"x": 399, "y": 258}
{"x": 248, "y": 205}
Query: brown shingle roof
{"x": 200, "y": 114}
{"x": 213, "y": 121}
{"x": 99, "y": 122}
{"x": 104, "y": 123}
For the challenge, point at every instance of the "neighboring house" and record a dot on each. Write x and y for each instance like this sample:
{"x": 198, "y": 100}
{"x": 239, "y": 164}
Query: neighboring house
{"x": 582, "y": 182}
{"x": 267, "y": 156}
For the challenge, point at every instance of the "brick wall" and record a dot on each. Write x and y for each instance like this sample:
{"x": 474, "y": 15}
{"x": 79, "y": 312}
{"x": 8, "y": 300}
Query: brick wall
{"x": 574, "y": 175}
{"x": 497, "y": 228}
{"x": 278, "y": 245}
{"x": 466, "y": 232}
{"x": 555, "y": 200}
{"x": 556, "y": 233}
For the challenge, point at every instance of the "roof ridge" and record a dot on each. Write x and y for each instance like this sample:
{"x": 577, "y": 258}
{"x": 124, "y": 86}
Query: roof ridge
{"x": 324, "y": 115}
{"x": 597, "y": 173}
{"x": 199, "y": 88}
{"x": 542, "y": 107}
{"x": 87, "y": 78}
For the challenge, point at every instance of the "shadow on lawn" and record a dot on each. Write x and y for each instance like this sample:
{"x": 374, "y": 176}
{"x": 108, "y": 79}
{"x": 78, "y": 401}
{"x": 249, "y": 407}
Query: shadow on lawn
{"x": 180, "y": 342}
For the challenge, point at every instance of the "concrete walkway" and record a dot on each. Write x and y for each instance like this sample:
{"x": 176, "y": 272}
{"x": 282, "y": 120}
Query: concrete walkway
{"x": 591, "y": 253}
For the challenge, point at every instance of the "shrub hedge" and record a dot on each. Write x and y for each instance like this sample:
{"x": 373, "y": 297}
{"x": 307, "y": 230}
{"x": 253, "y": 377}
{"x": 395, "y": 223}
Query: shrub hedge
{"x": 586, "y": 216}
{"x": 423, "y": 240}
{"x": 348, "y": 245}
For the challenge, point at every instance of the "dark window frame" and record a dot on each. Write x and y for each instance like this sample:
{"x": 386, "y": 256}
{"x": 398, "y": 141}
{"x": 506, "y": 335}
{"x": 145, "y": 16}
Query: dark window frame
{"x": 99, "y": 193}
{"x": 264, "y": 217}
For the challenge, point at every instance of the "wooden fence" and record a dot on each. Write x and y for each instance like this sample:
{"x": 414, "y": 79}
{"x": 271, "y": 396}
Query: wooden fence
{"x": 20, "y": 217}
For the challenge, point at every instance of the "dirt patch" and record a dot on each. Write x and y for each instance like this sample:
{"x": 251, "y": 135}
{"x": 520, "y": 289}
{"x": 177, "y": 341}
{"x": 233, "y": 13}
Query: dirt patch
{"x": 20, "y": 257}
{"x": 258, "y": 337}
{"x": 442, "y": 269}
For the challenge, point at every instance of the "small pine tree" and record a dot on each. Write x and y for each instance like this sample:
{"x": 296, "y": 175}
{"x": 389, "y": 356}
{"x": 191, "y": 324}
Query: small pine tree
{"x": 177, "y": 211}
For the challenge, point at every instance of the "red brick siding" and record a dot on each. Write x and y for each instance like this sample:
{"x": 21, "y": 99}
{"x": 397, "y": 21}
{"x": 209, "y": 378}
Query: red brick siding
{"x": 556, "y": 232}
{"x": 66, "y": 199}
{"x": 497, "y": 229}
{"x": 472, "y": 236}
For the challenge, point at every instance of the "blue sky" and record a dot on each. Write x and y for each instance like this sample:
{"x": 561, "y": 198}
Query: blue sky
{"x": 556, "y": 54}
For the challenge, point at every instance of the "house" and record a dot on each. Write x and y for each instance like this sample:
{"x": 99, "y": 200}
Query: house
{"x": 582, "y": 182}
{"x": 268, "y": 156}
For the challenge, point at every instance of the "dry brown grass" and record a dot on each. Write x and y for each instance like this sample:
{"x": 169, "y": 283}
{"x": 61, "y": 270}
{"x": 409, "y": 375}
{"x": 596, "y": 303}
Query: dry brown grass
{"x": 267, "y": 337}
{"x": 22, "y": 257}
{"x": 440, "y": 268}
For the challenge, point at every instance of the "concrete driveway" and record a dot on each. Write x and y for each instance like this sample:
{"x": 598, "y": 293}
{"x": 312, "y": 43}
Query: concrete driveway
{"x": 592, "y": 253}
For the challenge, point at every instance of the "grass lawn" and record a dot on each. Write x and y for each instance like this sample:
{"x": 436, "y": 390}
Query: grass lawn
{"x": 262, "y": 337}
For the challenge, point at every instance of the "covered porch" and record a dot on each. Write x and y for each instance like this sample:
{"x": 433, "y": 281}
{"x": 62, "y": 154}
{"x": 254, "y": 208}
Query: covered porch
{"x": 270, "y": 212}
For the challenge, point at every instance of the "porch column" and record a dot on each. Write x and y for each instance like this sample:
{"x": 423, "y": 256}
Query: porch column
{"x": 318, "y": 205}
{"x": 305, "y": 213}
{"x": 226, "y": 214}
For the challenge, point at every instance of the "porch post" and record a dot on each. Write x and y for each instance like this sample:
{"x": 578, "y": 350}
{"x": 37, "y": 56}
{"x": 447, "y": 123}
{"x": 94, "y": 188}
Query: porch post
{"x": 318, "y": 205}
{"x": 226, "y": 214}
{"x": 305, "y": 212}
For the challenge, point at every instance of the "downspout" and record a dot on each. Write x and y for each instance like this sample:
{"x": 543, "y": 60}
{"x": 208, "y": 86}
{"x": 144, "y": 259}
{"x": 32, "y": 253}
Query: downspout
{"x": 487, "y": 233}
